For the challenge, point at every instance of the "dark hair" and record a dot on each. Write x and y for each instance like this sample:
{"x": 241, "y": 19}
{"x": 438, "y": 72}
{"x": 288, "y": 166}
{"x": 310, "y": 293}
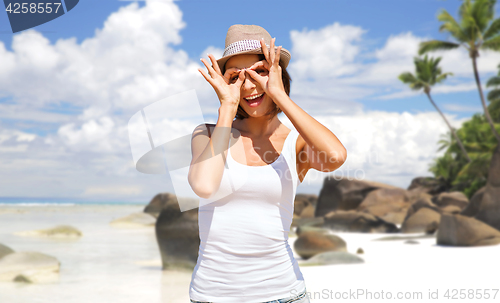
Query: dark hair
{"x": 242, "y": 114}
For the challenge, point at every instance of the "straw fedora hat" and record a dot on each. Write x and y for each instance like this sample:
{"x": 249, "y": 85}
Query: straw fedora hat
{"x": 245, "y": 39}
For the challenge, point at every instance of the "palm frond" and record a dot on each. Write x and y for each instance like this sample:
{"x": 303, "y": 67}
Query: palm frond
{"x": 435, "y": 45}
{"x": 492, "y": 43}
{"x": 493, "y": 81}
{"x": 482, "y": 13}
{"x": 442, "y": 77}
{"x": 451, "y": 25}
{"x": 493, "y": 30}
{"x": 494, "y": 95}
{"x": 407, "y": 78}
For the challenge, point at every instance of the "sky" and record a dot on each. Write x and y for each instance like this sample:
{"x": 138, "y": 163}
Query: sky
{"x": 69, "y": 87}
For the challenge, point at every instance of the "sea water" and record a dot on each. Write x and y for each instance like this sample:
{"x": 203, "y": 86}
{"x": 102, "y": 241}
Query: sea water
{"x": 107, "y": 264}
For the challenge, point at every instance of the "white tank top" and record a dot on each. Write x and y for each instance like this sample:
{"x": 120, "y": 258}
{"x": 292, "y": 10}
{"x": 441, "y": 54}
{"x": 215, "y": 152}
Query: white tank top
{"x": 244, "y": 254}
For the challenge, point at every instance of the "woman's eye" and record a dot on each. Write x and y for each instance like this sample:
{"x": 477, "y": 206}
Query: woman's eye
{"x": 234, "y": 78}
{"x": 260, "y": 71}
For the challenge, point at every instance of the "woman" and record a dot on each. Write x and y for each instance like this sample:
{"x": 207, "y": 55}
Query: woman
{"x": 256, "y": 162}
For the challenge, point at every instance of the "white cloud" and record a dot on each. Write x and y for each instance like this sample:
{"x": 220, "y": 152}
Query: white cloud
{"x": 327, "y": 52}
{"x": 130, "y": 63}
{"x": 382, "y": 146}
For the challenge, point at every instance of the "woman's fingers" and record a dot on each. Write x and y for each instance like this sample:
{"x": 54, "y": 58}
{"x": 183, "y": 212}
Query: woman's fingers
{"x": 260, "y": 79}
{"x": 215, "y": 65}
{"x": 265, "y": 51}
{"x": 272, "y": 53}
{"x": 211, "y": 71}
{"x": 241, "y": 78}
{"x": 258, "y": 64}
{"x": 277, "y": 58}
{"x": 207, "y": 77}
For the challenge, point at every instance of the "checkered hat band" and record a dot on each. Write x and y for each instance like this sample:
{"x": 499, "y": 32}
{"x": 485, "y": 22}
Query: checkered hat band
{"x": 240, "y": 46}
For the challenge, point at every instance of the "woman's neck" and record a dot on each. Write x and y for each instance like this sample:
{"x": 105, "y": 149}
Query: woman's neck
{"x": 257, "y": 127}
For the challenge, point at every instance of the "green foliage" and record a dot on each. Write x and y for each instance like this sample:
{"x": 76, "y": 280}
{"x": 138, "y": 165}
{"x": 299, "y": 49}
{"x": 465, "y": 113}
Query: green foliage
{"x": 494, "y": 96}
{"x": 453, "y": 168}
{"x": 427, "y": 73}
{"x": 476, "y": 28}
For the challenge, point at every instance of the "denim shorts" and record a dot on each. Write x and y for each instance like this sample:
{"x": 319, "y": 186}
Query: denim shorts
{"x": 300, "y": 298}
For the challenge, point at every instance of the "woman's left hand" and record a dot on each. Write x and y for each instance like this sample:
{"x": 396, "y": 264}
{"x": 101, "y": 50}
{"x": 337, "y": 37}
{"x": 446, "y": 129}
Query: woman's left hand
{"x": 271, "y": 80}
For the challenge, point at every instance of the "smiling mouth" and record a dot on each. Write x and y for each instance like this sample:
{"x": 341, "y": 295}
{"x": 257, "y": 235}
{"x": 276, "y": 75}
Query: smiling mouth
{"x": 254, "y": 98}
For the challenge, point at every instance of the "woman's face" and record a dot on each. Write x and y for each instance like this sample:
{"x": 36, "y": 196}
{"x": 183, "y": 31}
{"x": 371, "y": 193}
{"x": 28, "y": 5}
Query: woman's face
{"x": 255, "y": 107}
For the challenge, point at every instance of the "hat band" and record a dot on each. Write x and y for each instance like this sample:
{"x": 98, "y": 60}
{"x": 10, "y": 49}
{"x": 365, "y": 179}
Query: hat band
{"x": 240, "y": 46}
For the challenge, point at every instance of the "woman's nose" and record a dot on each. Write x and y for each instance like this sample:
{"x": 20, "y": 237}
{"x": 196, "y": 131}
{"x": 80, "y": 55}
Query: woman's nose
{"x": 248, "y": 83}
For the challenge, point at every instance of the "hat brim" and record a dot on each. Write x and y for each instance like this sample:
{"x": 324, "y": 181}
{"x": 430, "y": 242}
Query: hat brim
{"x": 284, "y": 57}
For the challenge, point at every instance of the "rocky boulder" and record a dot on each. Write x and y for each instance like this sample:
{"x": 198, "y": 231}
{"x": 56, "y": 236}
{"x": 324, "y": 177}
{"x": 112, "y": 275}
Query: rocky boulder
{"x": 421, "y": 202}
{"x": 30, "y": 267}
{"x": 332, "y": 257}
{"x": 455, "y": 198}
{"x": 474, "y": 204}
{"x": 354, "y": 221}
{"x": 485, "y": 203}
{"x": 458, "y": 230}
{"x": 305, "y": 205}
{"x": 344, "y": 194}
{"x": 315, "y": 221}
{"x": 421, "y": 221}
{"x": 390, "y": 204}
{"x": 161, "y": 200}
{"x": 5, "y": 250}
{"x": 177, "y": 234}
{"x": 315, "y": 241}
{"x": 428, "y": 185}
{"x": 60, "y": 231}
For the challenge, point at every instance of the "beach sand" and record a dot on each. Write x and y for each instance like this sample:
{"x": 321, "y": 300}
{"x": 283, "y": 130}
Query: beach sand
{"x": 112, "y": 265}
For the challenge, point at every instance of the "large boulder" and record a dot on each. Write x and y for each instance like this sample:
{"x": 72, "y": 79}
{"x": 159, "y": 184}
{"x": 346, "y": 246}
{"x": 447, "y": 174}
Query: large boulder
{"x": 344, "y": 194}
{"x": 314, "y": 221}
{"x": 428, "y": 185}
{"x": 305, "y": 205}
{"x": 29, "y": 266}
{"x": 421, "y": 221}
{"x": 60, "y": 231}
{"x": 135, "y": 220}
{"x": 178, "y": 238}
{"x": 332, "y": 257}
{"x": 161, "y": 200}
{"x": 314, "y": 241}
{"x": 458, "y": 230}
{"x": 474, "y": 204}
{"x": 390, "y": 204}
{"x": 424, "y": 201}
{"x": 486, "y": 206}
{"x": 5, "y": 250}
{"x": 354, "y": 221}
{"x": 455, "y": 198}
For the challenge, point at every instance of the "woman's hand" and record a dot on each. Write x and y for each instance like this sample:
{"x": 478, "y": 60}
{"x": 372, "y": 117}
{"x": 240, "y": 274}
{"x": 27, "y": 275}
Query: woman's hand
{"x": 228, "y": 91}
{"x": 271, "y": 80}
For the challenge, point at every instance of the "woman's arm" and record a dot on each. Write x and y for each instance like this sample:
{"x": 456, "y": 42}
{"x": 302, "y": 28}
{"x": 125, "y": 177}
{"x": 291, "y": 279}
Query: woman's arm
{"x": 320, "y": 148}
{"x": 207, "y": 165}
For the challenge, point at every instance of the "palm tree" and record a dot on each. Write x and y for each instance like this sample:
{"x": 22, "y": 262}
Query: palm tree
{"x": 494, "y": 96}
{"x": 429, "y": 73}
{"x": 477, "y": 30}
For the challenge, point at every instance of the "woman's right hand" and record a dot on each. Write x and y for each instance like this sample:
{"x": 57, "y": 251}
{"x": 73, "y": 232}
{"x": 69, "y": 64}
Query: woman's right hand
{"x": 227, "y": 90}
